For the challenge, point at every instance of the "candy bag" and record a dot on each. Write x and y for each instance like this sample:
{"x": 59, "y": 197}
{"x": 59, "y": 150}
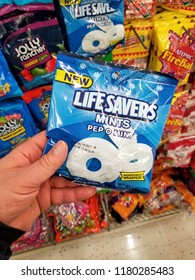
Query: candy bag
{"x": 26, "y": 2}
{"x": 137, "y": 43}
{"x": 98, "y": 26}
{"x": 38, "y": 101}
{"x": 173, "y": 47}
{"x": 30, "y": 43}
{"x": 5, "y": 2}
{"x": 8, "y": 85}
{"x": 180, "y": 149}
{"x": 173, "y": 123}
{"x": 35, "y": 237}
{"x": 126, "y": 204}
{"x": 112, "y": 119}
{"x": 16, "y": 124}
{"x": 135, "y": 9}
{"x": 188, "y": 9}
{"x": 177, "y": 2}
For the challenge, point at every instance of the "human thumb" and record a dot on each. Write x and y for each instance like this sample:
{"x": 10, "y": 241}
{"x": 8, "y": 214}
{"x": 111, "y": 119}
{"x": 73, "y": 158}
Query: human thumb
{"x": 47, "y": 165}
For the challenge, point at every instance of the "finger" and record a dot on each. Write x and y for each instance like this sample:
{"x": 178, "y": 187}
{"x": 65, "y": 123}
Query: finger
{"x": 67, "y": 195}
{"x": 29, "y": 151}
{"x": 47, "y": 165}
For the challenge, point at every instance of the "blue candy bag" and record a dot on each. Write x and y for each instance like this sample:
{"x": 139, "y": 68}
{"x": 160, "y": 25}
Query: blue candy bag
{"x": 38, "y": 101}
{"x": 5, "y": 2}
{"x": 98, "y": 26}
{"x": 112, "y": 118}
{"x": 8, "y": 85}
{"x": 16, "y": 124}
{"x": 26, "y": 2}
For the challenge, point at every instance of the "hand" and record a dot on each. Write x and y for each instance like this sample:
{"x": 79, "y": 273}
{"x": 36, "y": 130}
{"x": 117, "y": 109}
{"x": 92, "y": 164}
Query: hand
{"x": 27, "y": 184}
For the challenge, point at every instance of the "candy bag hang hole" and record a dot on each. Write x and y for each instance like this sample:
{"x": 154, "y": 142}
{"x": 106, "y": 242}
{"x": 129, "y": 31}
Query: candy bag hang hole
{"x": 98, "y": 26}
{"x": 111, "y": 117}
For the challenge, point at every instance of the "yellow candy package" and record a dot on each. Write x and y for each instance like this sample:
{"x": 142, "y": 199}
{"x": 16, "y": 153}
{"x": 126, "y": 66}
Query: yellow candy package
{"x": 138, "y": 35}
{"x": 173, "y": 47}
{"x": 182, "y": 9}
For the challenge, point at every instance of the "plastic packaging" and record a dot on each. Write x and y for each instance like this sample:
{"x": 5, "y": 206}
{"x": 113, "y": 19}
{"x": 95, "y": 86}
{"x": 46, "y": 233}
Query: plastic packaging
{"x": 30, "y": 42}
{"x": 104, "y": 111}
{"x": 172, "y": 49}
{"x": 16, "y": 124}
{"x": 38, "y": 101}
{"x": 98, "y": 26}
{"x": 8, "y": 85}
{"x": 5, "y": 2}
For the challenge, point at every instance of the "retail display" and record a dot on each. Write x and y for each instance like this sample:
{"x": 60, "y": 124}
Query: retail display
{"x": 60, "y": 52}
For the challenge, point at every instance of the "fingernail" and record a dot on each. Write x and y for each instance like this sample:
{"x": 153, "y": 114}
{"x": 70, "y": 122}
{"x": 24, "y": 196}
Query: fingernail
{"x": 59, "y": 148}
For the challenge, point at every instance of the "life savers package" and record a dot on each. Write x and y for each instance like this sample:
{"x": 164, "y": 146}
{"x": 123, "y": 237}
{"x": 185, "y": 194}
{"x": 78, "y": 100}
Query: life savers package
{"x": 93, "y": 27}
{"x": 111, "y": 117}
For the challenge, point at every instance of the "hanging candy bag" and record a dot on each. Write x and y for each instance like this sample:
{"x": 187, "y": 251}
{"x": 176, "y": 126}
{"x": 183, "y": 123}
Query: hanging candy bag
{"x": 38, "y": 101}
{"x": 98, "y": 26}
{"x": 112, "y": 119}
{"x": 31, "y": 48}
{"x": 173, "y": 48}
{"x": 5, "y": 2}
{"x": 16, "y": 124}
{"x": 26, "y": 2}
{"x": 137, "y": 43}
{"x": 8, "y": 85}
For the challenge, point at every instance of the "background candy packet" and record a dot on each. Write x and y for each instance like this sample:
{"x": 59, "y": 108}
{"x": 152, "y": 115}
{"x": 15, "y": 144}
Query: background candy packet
{"x": 8, "y": 85}
{"x": 38, "y": 101}
{"x": 35, "y": 36}
{"x": 16, "y": 124}
{"x": 97, "y": 26}
{"x": 112, "y": 119}
{"x": 26, "y": 2}
{"x": 5, "y": 2}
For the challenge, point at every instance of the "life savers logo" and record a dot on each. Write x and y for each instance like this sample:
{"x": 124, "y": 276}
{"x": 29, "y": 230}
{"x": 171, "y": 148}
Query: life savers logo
{"x": 10, "y": 128}
{"x": 78, "y": 80}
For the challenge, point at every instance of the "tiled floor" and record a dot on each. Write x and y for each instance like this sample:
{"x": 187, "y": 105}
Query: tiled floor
{"x": 165, "y": 237}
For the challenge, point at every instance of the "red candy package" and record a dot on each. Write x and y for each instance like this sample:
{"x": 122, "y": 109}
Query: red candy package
{"x": 180, "y": 150}
{"x": 173, "y": 123}
{"x": 135, "y": 9}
